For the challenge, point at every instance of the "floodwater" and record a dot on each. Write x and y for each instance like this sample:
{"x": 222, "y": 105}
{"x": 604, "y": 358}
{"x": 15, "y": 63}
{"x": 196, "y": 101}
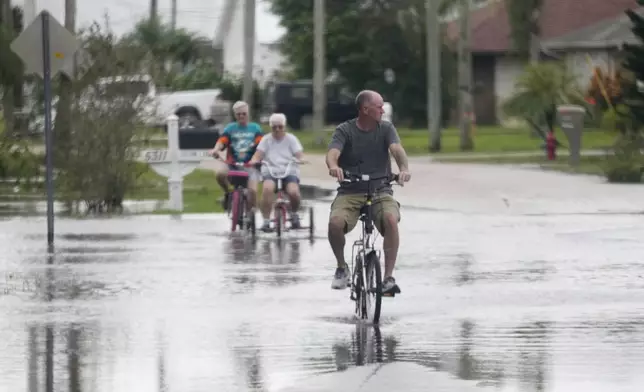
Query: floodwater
{"x": 159, "y": 303}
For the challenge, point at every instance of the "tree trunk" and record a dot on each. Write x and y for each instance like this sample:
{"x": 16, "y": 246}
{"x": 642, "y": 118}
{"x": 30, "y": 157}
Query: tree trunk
{"x": 7, "y": 90}
{"x": 62, "y": 126}
{"x": 465, "y": 78}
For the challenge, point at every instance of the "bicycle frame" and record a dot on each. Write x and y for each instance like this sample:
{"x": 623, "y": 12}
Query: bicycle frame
{"x": 363, "y": 248}
{"x": 282, "y": 201}
{"x": 242, "y": 199}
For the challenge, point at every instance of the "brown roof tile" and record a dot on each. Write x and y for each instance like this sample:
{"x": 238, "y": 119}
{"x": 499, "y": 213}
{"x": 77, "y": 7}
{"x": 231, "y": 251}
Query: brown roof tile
{"x": 491, "y": 28}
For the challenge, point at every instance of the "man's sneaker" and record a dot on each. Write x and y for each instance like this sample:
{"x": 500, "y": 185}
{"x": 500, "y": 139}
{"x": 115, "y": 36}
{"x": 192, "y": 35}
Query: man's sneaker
{"x": 225, "y": 200}
{"x": 266, "y": 227}
{"x": 341, "y": 279}
{"x": 295, "y": 222}
{"x": 389, "y": 287}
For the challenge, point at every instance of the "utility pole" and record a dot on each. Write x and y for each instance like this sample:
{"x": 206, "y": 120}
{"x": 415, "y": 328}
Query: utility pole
{"x": 465, "y": 78}
{"x": 154, "y": 9}
{"x": 249, "y": 51}
{"x": 433, "y": 75}
{"x": 29, "y": 12}
{"x": 319, "y": 70}
{"x": 174, "y": 15}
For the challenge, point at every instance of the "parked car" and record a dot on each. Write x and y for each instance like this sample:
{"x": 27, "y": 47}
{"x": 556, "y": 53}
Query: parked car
{"x": 295, "y": 100}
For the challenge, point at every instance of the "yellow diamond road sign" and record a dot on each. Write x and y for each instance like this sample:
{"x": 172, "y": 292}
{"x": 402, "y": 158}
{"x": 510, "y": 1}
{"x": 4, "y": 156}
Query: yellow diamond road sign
{"x": 29, "y": 46}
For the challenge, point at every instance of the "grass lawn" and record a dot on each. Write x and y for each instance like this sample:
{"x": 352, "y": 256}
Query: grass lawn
{"x": 486, "y": 140}
{"x": 201, "y": 193}
{"x": 587, "y": 164}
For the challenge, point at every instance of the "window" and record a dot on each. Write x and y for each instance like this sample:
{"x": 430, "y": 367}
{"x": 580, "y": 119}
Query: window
{"x": 300, "y": 92}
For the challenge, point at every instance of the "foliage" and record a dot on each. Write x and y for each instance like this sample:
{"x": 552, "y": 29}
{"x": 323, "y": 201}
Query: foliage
{"x": 539, "y": 90}
{"x": 232, "y": 89}
{"x": 362, "y": 42}
{"x": 200, "y": 77}
{"x": 634, "y": 64}
{"x": 98, "y": 167}
{"x": 626, "y": 164}
{"x": 611, "y": 83}
{"x": 168, "y": 52}
{"x": 524, "y": 21}
{"x": 17, "y": 161}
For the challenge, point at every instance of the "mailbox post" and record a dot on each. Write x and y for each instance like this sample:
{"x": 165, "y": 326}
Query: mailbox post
{"x": 571, "y": 120}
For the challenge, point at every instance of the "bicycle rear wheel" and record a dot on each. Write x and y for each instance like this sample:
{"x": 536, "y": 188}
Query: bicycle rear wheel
{"x": 372, "y": 288}
{"x": 280, "y": 220}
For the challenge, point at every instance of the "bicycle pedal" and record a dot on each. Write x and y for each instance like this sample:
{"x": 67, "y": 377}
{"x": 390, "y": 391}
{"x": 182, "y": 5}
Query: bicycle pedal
{"x": 389, "y": 295}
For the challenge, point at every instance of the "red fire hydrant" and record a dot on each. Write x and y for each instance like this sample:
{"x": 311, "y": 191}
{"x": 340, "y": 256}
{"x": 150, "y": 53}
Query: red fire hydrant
{"x": 551, "y": 146}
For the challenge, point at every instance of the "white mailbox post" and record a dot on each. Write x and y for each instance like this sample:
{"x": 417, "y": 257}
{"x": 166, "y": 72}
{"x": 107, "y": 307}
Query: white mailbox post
{"x": 173, "y": 163}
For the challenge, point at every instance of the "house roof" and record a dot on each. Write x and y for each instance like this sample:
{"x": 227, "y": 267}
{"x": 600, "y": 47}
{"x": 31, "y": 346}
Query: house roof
{"x": 491, "y": 31}
{"x": 612, "y": 32}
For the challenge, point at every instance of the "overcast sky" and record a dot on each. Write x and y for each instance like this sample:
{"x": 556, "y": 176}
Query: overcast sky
{"x": 197, "y": 15}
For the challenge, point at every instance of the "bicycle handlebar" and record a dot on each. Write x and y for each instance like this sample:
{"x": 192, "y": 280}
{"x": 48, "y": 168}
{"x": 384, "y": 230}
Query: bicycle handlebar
{"x": 286, "y": 172}
{"x": 240, "y": 164}
{"x": 353, "y": 177}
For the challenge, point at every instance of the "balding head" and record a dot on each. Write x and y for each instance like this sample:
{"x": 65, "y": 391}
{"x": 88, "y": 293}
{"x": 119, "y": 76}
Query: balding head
{"x": 363, "y": 98}
{"x": 370, "y": 106}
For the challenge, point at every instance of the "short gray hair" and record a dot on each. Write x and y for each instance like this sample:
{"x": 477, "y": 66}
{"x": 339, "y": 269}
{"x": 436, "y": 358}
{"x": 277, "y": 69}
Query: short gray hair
{"x": 239, "y": 105}
{"x": 277, "y": 119}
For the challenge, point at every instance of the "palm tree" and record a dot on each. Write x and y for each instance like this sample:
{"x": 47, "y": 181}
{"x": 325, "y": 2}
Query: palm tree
{"x": 539, "y": 90}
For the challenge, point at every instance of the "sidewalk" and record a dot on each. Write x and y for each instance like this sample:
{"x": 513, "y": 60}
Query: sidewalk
{"x": 464, "y": 156}
{"x": 474, "y": 188}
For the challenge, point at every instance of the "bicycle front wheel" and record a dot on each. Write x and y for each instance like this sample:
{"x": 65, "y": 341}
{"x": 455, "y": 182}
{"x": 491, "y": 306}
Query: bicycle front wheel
{"x": 235, "y": 207}
{"x": 372, "y": 298}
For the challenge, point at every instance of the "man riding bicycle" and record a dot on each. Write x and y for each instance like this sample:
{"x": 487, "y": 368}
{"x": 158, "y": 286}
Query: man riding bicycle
{"x": 362, "y": 146}
{"x": 241, "y": 139}
{"x": 277, "y": 150}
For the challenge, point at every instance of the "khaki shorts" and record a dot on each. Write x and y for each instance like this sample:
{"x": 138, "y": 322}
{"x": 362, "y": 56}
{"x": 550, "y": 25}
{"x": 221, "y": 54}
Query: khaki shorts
{"x": 348, "y": 208}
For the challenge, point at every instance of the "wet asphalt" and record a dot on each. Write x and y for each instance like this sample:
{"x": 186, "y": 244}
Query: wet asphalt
{"x": 490, "y": 301}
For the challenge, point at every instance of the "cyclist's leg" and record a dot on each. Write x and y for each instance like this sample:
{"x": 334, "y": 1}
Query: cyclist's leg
{"x": 345, "y": 211}
{"x": 253, "y": 180}
{"x": 386, "y": 217}
{"x": 292, "y": 188}
{"x": 268, "y": 196}
{"x": 221, "y": 174}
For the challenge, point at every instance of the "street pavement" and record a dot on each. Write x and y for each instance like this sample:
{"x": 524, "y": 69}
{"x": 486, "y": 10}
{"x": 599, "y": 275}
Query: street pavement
{"x": 512, "y": 280}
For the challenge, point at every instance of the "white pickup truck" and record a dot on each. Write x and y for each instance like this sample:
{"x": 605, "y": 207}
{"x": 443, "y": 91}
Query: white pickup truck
{"x": 195, "y": 108}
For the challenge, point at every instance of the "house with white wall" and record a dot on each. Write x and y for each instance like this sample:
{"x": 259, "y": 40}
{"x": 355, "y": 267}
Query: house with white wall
{"x": 572, "y": 30}
{"x": 230, "y": 37}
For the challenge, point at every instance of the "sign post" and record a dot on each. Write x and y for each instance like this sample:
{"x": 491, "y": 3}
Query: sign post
{"x": 44, "y": 47}
{"x": 175, "y": 181}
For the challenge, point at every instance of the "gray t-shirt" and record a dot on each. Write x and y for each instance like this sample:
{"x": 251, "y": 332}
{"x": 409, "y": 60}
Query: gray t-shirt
{"x": 278, "y": 153}
{"x": 364, "y": 152}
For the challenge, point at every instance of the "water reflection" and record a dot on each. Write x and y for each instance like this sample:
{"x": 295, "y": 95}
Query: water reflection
{"x": 248, "y": 359}
{"x": 464, "y": 263}
{"x": 268, "y": 263}
{"x": 366, "y": 346}
{"x": 533, "y": 356}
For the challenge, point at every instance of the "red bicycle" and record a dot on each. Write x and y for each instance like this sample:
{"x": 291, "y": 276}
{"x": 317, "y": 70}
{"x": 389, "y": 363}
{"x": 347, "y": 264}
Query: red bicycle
{"x": 237, "y": 208}
{"x": 282, "y": 204}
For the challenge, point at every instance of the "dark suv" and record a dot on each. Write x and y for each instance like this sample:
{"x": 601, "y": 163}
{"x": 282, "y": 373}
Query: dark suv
{"x": 295, "y": 100}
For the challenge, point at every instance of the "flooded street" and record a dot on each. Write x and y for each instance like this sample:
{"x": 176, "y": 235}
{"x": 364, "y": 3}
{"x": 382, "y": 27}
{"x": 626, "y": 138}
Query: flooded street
{"x": 503, "y": 302}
